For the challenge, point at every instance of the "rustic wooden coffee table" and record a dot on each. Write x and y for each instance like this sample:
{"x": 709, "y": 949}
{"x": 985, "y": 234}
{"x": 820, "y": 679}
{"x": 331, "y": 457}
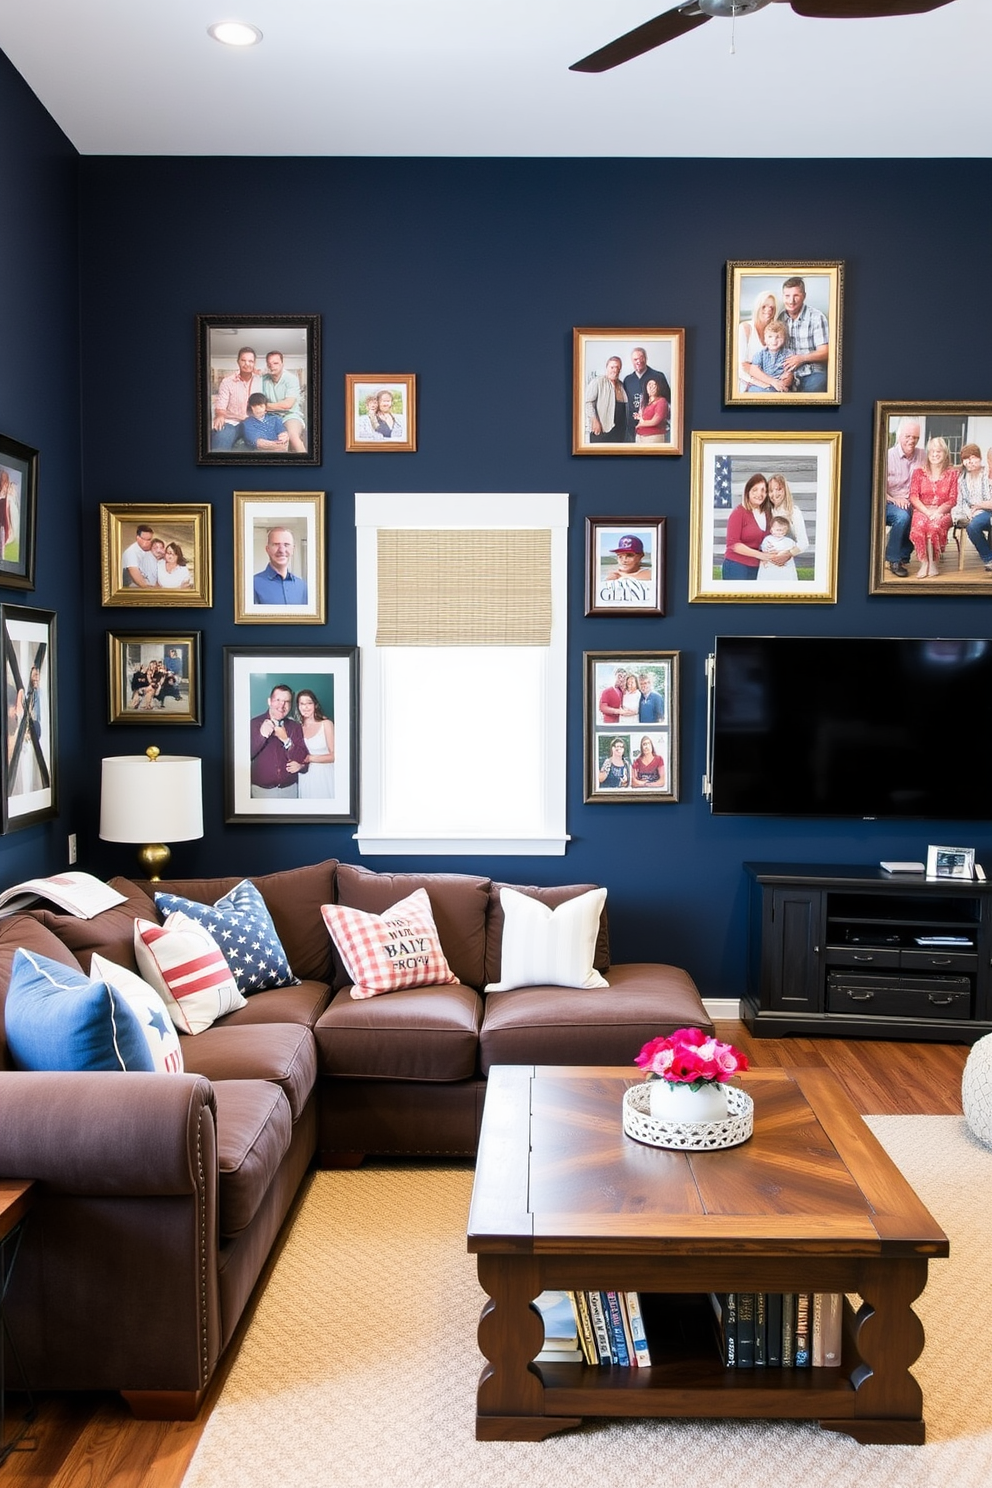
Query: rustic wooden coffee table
{"x": 811, "y": 1202}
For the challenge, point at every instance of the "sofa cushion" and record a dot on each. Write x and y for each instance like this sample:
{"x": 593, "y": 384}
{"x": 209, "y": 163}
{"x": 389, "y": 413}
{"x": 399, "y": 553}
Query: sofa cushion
{"x": 151, "y": 1012}
{"x": 111, "y": 932}
{"x": 423, "y": 1033}
{"x": 254, "y": 1130}
{"x": 552, "y": 897}
{"x": 385, "y": 953}
{"x": 558, "y": 1025}
{"x": 293, "y": 897}
{"x": 550, "y": 947}
{"x": 241, "y": 925}
{"x": 61, "y": 1019}
{"x": 284, "y": 1053}
{"x": 184, "y": 964}
{"x": 458, "y": 903}
{"x": 302, "y": 1004}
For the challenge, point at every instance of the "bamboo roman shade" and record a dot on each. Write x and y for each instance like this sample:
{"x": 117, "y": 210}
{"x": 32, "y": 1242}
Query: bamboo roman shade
{"x": 464, "y": 587}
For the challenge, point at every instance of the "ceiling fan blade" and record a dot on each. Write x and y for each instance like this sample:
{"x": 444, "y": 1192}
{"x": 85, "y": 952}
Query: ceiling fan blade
{"x": 643, "y": 39}
{"x": 850, "y": 10}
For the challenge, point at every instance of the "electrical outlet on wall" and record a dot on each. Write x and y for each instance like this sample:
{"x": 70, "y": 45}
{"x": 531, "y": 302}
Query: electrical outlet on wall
{"x": 72, "y": 848}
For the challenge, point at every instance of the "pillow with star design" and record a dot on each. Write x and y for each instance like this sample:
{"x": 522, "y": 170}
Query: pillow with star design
{"x": 151, "y": 1012}
{"x": 241, "y": 925}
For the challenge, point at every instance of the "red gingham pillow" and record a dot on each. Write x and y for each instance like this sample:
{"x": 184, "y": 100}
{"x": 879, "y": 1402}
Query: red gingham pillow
{"x": 185, "y": 965}
{"x": 387, "y": 952}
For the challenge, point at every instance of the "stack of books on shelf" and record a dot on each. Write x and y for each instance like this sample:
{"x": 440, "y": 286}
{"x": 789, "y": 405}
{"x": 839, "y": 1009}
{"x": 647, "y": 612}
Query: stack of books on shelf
{"x": 794, "y": 1330}
{"x": 593, "y": 1327}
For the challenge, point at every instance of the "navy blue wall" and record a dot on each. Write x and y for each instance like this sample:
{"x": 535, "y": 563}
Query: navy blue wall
{"x": 472, "y": 274}
{"x": 39, "y": 405}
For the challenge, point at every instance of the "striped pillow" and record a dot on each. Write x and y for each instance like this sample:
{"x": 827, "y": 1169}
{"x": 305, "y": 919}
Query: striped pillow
{"x": 185, "y": 965}
{"x": 391, "y": 951}
{"x": 545, "y": 947}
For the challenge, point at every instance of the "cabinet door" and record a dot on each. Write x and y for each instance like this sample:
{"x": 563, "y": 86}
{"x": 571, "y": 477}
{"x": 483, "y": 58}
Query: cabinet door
{"x": 794, "y": 938}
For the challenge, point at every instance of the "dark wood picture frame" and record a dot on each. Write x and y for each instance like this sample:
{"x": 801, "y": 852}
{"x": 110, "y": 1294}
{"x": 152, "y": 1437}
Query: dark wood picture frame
{"x": 172, "y": 694}
{"x": 30, "y": 757}
{"x": 296, "y": 339}
{"x": 18, "y": 513}
{"x": 592, "y": 351}
{"x": 657, "y": 720}
{"x": 629, "y": 578}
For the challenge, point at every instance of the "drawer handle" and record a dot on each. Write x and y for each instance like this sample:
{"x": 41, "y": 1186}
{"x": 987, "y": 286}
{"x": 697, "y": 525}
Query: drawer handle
{"x": 856, "y": 956}
{"x": 940, "y": 1001}
{"x": 941, "y": 961}
{"x": 861, "y": 996}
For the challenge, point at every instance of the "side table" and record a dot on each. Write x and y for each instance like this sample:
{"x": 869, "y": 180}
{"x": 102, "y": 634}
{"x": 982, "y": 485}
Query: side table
{"x": 16, "y": 1199}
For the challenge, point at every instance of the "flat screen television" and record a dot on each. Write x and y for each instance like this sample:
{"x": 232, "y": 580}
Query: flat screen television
{"x": 849, "y": 727}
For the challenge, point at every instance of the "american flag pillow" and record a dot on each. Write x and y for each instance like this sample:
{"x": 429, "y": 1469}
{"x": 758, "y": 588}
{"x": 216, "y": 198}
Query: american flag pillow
{"x": 387, "y": 952}
{"x": 242, "y": 926}
{"x": 185, "y": 965}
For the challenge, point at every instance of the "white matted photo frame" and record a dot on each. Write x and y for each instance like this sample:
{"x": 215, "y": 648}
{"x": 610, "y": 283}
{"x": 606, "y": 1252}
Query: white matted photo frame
{"x": 799, "y": 363}
{"x": 931, "y": 530}
{"x": 291, "y": 722}
{"x": 154, "y": 675}
{"x": 155, "y": 555}
{"x": 627, "y": 390}
{"x": 30, "y": 759}
{"x": 380, "y": 412}
{"x": 258, "y": 389}
{"x": 764, "y": 520}
{"x": 625, "y": 565}
{"x": 279, "y": 563}
{"x": 18, "y": 513}
{"x": 631, "y": 712}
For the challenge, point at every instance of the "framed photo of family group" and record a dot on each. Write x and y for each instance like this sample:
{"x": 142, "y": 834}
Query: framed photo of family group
{"x": 631, "y": 709}
{"x": 155, "y": 555}
{"x": 784, "y": 332}
{"x": 18, "y": 513}
{"x": 932, "y": 499}
{"x": 30, "y": 760}
{"x": 154, "y": 675}
{"x": 380, "y": 412}
{"x": 764, "y": 519}
{"x": 258, "y": 389}
{"x": 627, "y": 391}
{"x": 279, "y": 558}
{"x": 291, "y": 719}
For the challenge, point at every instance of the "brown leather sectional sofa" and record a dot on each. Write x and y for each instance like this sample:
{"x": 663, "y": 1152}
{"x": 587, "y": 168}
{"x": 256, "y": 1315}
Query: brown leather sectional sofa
{"x": 160, "y": 1196}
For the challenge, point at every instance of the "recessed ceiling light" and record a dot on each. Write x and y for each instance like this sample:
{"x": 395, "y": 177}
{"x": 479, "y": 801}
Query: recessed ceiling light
{"x": 235, "y": 33}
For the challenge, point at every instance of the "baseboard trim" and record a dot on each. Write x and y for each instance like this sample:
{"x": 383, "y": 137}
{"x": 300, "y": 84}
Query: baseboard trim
{"x": 722, "y": 1007}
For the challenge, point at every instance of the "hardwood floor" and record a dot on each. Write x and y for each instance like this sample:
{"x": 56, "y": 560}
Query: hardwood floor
{"x": 91, "y": 1441}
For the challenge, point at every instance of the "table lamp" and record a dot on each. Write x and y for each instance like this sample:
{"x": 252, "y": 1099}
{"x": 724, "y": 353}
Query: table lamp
{"x": 145, "y": 797}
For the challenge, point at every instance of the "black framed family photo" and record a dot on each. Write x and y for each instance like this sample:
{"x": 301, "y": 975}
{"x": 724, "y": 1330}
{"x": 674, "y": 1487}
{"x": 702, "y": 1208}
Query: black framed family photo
{"x": 258, "y": 389}
{"x": 18, "y": 513}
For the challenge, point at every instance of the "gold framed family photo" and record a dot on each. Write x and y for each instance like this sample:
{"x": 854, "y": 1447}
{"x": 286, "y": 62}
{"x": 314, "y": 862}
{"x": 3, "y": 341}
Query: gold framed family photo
{"x": 155, "y": 555}
{"x": 784, "y": 332}
{"x": 154, "y": 674}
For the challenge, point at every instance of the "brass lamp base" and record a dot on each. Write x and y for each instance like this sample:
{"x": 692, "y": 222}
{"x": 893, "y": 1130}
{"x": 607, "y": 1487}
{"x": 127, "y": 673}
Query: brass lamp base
{"x": 153, "y": 857}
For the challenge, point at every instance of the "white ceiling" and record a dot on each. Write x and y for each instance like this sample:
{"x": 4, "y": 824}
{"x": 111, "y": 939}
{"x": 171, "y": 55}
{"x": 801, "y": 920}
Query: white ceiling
{"x": 490, "y": 77}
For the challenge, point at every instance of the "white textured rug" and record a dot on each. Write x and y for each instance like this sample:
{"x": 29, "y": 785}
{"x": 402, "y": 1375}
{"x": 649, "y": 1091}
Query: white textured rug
{"x": 360, "y": 1366}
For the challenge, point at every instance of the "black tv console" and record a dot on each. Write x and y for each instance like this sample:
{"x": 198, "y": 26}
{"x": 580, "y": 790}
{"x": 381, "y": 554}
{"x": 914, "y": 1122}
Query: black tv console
{"x": 837, "y": 950}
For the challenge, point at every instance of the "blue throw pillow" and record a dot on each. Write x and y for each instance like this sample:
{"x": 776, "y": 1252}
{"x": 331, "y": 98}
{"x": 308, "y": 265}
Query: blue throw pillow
{"x": 59, "y": 1019}
{"x": 241, "y": 925}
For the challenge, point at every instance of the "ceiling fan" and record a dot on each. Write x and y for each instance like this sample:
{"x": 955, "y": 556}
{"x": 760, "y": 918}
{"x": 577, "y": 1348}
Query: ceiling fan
{"x": 687, "y": 17}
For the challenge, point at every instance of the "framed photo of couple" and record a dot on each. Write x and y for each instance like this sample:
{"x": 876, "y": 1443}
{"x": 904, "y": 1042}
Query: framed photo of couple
{"x": 764, "y": 518}
{"x": 155, "y": 555}
{"x": 258, "y": 389}
{"x": 380, "y": 412}
{"x": 783, "y": 343}
{"x": 30, "y": 762}
{"x": 627, "y": 391}
{"x": 291, "y": 719}
{"x": 631, "y": 726}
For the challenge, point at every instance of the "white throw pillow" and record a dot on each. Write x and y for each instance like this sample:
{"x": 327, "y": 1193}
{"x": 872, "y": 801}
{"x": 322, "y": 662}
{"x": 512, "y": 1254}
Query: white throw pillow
{"x": 184, "y": 964}
{"x": 150, "y": 1011}
{"x": 545, "y": 947}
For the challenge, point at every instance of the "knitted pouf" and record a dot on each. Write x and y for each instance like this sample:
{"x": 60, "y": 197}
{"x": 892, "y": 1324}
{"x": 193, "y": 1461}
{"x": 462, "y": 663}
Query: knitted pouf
{"x": 976, "y": 1089}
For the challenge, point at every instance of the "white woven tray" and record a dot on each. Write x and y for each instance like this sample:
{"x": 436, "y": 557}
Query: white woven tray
{"x": 696, "y": 1136}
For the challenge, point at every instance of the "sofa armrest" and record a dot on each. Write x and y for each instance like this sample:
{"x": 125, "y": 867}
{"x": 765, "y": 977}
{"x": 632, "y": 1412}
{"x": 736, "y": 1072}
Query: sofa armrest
{"x": 103, "y": 1133}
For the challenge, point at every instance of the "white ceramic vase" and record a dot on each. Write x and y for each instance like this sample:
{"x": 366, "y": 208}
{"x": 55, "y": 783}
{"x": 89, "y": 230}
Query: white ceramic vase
{"x": 672, "y": 1101}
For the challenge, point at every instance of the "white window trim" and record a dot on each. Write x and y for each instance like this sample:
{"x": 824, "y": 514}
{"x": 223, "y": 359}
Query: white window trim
{"x": 471, "y": 510}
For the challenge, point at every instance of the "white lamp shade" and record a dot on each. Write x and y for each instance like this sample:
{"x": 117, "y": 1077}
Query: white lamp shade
{"x": 151, "y": 801}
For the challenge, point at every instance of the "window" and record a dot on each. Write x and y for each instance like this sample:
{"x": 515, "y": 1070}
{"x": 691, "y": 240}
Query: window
{"x": 463, "y": 649}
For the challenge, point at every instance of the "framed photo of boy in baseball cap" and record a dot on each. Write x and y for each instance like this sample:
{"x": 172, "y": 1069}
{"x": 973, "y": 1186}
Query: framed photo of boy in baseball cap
{"x": 625, "y": 565}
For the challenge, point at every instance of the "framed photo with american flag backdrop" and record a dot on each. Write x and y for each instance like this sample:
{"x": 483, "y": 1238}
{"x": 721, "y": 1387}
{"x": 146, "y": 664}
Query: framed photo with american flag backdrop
{"x": 764, "y": 518}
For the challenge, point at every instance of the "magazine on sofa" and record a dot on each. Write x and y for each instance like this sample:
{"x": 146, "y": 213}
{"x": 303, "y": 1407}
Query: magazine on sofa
{"x": 78, "y": 893}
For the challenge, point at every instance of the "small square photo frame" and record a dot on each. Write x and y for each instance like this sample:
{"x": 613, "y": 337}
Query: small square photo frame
{"x": 275, "y": 357}
{"x": 806, "y": 299}
{"x": 951, "y": 862}
{"x": 155, "y": 556}
{"x": 279, "y": 569}
{"x": 631, "y": 733}
{"x": 625, "y": 565}
{"x": 380, "y": 412}
{"x": 18, "y": 513}
{"x": 30, "y": 758}
{"x": 153, "y": 677}
{"x": 615, "y": 410}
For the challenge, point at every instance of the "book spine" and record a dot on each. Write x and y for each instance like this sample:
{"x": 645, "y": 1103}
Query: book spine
{"x": 614, "y": 1314}
{"x": 831, "y": 1329}
{"x": 730, "y": 1300}
{"x": 816, "y": 1332}
{"x": 760, "y": 1329}
{"x": 587, "y": 1337}
{"x": 745, "y": 1330}
{"x": 803, "y": 1320}
{"x": 598, "y": 1317}
{"x": 774, "y": 1352}
{"x": 642, "y": 1354}
{"x": 788, "y": 1329}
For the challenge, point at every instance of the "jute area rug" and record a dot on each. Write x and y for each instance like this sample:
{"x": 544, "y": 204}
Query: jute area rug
{"x": 361, "y": 1364}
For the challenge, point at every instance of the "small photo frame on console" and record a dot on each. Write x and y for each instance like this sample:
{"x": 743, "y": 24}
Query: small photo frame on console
{"x": 951, "y": 862}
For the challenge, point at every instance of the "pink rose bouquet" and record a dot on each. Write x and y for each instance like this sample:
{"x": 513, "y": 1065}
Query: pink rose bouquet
{"x": 690, "y": 1057}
